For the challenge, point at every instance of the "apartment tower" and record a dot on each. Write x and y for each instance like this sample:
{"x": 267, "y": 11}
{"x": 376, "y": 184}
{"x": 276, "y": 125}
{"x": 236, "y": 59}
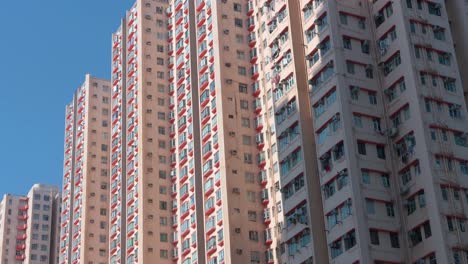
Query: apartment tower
{"x": 29, "y": 226}
{"x": 285, "y": 131}
{"x": 390, "y": 128}
{"x": 140, "y": 209}
{"x": 84, "y": 218}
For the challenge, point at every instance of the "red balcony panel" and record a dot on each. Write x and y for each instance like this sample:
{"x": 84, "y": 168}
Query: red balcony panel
{"x": 203, "y": 53}
{"x": 185, "y": 233}
{"x": 130, "y": 250}
{"x": 210, "y": 231}
{"x": 179, "y": 20}
{"x": 185, "y": 196}
{"x": 200, "y": 6}
{"x": 219, "y": 202}
{"x": 181, "y": 33}
{"x": 182, "y": 111}
{"x": 202, "y": 37}
{"x": 255, "y": 76}
{"x": 183, "y": 179}
{"x": 265, "y": 201}
{"x": 184, "y": 215}
{"x": 20, "y": 247}
{"x": 218, "y": 183}
{"x": 259, "y": 127}
{"x": 179, "y": 6}
{"x": 209, "y": 191}
{"x": 207, "y": 155}
{"x": 268, "y": 242}
{"x": 209, "y": 211}
{"x": 182, "y": 128}
{"x": 211, "y": 251}
{"x": 202, "y": 70}
{"x": 267, "y": 221}
{"x": 182, "y": 162}
{"x": 221, "y": 243}
{"x": 186, "y": 252}
{"x": 183, "y": 145}
{"x": 201, "y": 22}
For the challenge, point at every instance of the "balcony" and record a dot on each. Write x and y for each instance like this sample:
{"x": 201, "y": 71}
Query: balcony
{"x": 22, "y": 217}
{"x": 250, "y": 8}
{"x": 259, "y": 139}
{"x": 262, "y": 178}
{"x": 20, "y": 247}
{"x": 22, "y": 227}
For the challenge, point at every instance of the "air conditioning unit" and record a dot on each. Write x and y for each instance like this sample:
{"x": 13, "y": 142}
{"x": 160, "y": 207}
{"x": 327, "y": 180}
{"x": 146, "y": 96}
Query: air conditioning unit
{"x": 237, "y": 230}
{"x": 239, "y": 251}
{"x": 233, "y": 152}
{"x": 232, "y": 133}
{"x": 236, "y": 190}
{"x": 228, "y": 81}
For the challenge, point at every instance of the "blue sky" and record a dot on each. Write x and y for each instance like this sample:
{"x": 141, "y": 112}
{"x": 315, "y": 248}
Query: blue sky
{"x": 47, "y": 47}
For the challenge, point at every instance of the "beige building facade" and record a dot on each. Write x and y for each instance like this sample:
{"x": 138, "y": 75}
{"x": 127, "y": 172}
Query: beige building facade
{"x": 84, "y": 217}
{"x": 279, "y": 131}
{"x": 29, "y": 226}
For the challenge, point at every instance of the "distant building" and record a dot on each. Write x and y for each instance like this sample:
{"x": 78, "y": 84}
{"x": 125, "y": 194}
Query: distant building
{"x": 29, "y": 226}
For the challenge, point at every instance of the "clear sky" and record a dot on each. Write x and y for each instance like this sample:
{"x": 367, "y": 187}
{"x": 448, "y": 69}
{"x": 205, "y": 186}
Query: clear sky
{"x": 46, "y": 47}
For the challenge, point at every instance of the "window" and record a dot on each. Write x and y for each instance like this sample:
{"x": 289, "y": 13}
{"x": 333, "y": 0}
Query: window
{"x": 370, "y": 205}
{"x": 365, "y": 177}
{"x": 238, "y": 22}
{"x": 390, "y": 210}
{"x": 385, "y": 180}
{"x": 241, "y": 71}
{"x": 350, "y": 67}
{"x": 242, "y": 88}
{"x": 394, "y": 240}
{"x": 347, "y": 43}
{"x": 244, "y": 104}
{"x": 374, "y": 237}
{"x": 343, "y": 19}
{"x": 237, "y": 7}
{"x": 409, "y": 3}
{"x": 427, "y": 229}
{"x": 372, "y": 98}
{"x": 361, "y": 148}
{"x": 380, "y": 151}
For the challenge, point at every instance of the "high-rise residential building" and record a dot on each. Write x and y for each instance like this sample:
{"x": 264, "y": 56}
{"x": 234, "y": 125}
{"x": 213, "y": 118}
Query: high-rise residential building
{"x": 390, "y": 127}
{"x": 13, "y": 225}
{"x": 29, "y": 226}
{"x": 43, "y": 224}
{"x": 282, "y": 131}
{"x": 194, "y": 170}
{"x": 84, "y": 215}
{"x": 457, "y": 12}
